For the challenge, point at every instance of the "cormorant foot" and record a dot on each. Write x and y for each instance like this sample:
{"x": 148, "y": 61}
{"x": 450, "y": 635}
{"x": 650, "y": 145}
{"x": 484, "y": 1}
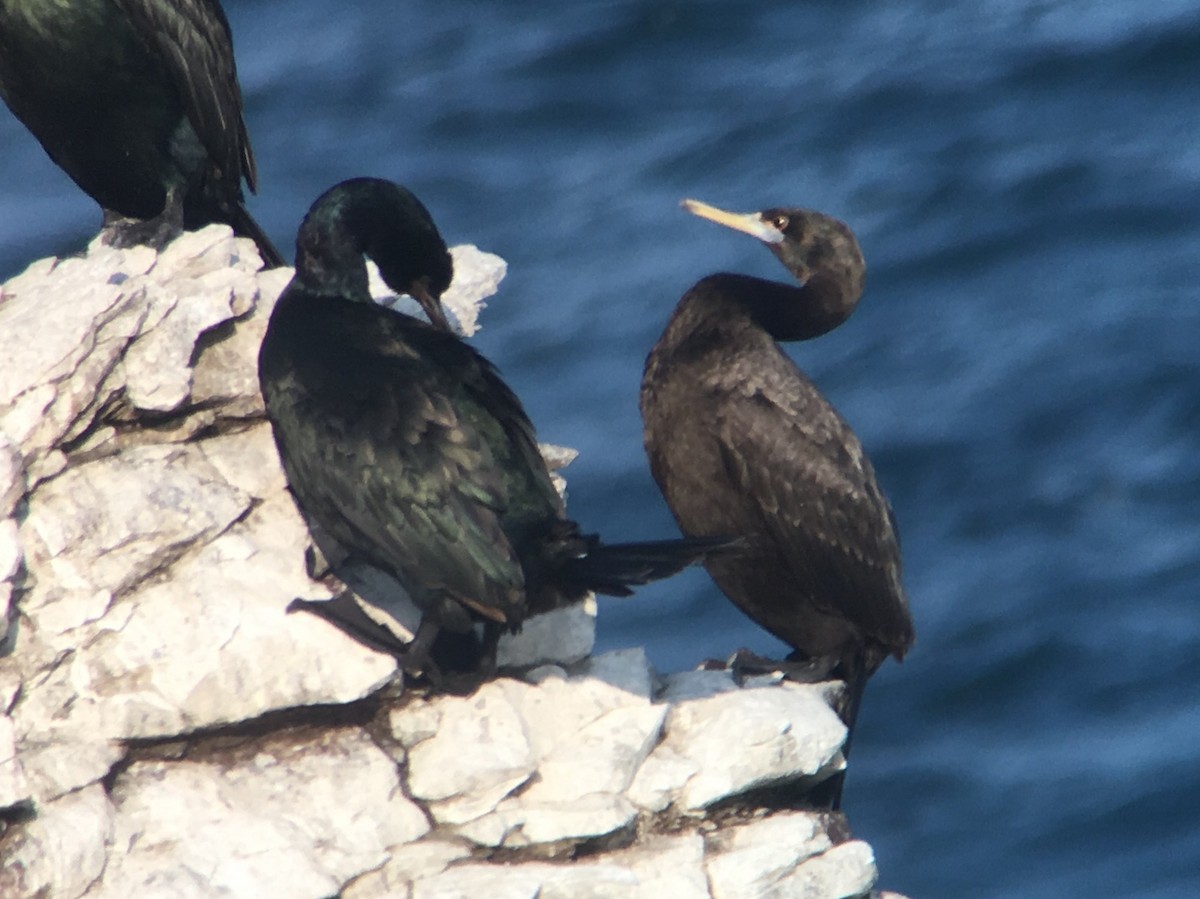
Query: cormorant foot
{"x": 344, "y": 613}
{"x": 155, "y": 233}
{"x": 316, "y": 566}
{"x": 745, "y": 664}
{"x": 122, "y": 232}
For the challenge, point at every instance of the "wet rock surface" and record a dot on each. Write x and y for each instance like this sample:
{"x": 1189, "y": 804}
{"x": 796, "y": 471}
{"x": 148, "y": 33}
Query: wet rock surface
{"x": 168, "y": 729}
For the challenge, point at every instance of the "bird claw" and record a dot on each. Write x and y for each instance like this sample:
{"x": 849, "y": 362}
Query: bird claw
{"x": 123, "y": 233}
{"x": 744, "y": 664}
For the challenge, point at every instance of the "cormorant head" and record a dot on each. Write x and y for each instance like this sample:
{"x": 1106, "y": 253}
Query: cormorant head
{"x": 819, "y": 250}
{"x": 381, "y": 220}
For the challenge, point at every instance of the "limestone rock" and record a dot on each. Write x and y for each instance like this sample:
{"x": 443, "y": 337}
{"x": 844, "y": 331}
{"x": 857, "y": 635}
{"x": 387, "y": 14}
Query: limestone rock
{"x": 562, "y": 637}
{"x": 168, "y": 729}
{"x": 740, "y": 739}
{"x": 14, "y": 789}
{"x": 12, "y": 476}
{"x": 577, "y": 738}
{"x": 464, "y": 756}
{"x": 422, "y": 860}
{"x": 108, "y": 524}
{"x": 271, "y": 821}
{"x": 62, "y": 852}
{"x": 532, "y": 880}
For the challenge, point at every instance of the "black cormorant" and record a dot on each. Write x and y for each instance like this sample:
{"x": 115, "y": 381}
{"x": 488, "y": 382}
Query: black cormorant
{"x": 404, "y": 445}
{"x": 138, "y": 101}
{"x": 741, "y": 443}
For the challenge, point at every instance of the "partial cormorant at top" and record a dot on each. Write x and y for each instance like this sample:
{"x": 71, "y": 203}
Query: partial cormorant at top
{"x": 741, "y": 443}
{"x": 138, "y": 101}
{"x": 402, "y": 442}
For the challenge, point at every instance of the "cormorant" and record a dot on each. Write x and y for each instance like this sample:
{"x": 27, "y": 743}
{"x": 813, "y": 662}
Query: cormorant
{"x": 138, "y": 101}
{"x": 403, "y": 444}
{"x": 743, "y": 444}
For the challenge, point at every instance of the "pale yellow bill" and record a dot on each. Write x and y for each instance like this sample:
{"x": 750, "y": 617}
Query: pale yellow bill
{"x": 751, "y": 223}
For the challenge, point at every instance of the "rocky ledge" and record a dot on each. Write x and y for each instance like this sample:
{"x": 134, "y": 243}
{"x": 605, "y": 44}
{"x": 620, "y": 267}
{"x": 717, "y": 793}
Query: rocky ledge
{"x": 168, "y": 730}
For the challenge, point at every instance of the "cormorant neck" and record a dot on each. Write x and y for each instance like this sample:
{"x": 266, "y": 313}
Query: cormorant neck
{"x": 329, "y": 254}
{"x": 729, "y": 302}
{"x": 800, "y": 312}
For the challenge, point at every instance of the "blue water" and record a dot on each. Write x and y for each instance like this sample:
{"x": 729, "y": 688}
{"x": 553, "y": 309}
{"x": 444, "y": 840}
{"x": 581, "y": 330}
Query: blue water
{"x": 1024, "y": 370}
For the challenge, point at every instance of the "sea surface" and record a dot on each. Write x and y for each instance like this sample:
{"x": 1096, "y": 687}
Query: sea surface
{"x": 1024, "y": 177}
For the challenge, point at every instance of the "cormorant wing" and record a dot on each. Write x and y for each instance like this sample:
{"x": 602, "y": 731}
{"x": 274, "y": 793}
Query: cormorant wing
{"x": 195, "y": 44}
{"x": 396, "y": 456}
{"x": 801, "y": 467}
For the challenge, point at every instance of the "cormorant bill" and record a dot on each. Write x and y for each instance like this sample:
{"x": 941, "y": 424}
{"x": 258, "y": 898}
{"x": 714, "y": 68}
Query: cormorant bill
{"x": 741, "y": 443}
{"x": 404, "y": 445}
{"x": 138, "y": 101}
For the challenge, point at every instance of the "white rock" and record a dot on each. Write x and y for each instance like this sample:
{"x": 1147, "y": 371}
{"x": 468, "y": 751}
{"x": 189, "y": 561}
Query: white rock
{"x": 14, "y": 788}
{"x": 477, "y": 276}
{"x": 423, "y": 859}
{"x": 109, "y": 523}
{"x": 298, "y": 818}
{"x": 225, "y": 377}
{"x": 202, "y": 647}
{"x": 12, "y": 476}
{"x": 563, "y": 705}
{"x": 529, "y": 822}
{"x": 157, "y": 365}
{"x": 10, "y": 548}
{"x": 563, "y": 636}
{"x": 659, "y": 781}
{"x": 843, "y": 872}
{"x": 533, "y": 880}
{"x": 742, "y": 739}
{"x": 214, "y": 248}
{"x": 599, "y": 720}
{"x": 61, "y": 852}
{"x": 753, "y": 859}
{"x": 48, "y": 386}
{"x": 667, "y": 867}
{"x": 610, "y": 749}
{"x": 8, "y": 615}
{"x": 56, "y": 764}
{"x": 249, "y": 460}
{"x": 589, "y": 733}
{"x": 478, "y": 754}
{"x": 556, "y": 456}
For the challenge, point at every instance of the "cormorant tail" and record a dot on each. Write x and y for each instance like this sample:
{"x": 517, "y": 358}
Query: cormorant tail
{"x": 615, "y": 569}
{"x": 244, "y": 225}
{"x": 856, "y": 673}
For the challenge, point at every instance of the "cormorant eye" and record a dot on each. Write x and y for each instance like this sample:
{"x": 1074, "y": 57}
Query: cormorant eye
{"x": 780, "y": 222}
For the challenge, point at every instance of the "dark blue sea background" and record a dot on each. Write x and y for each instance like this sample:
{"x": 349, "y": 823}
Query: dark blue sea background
{"x": 1024, "y": 177}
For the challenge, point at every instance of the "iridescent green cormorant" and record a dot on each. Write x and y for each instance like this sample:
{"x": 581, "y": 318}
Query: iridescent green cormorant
{"x": 741, "y": 443}
{"x": 402, "y": 442}
{"x": 138, "y": 101}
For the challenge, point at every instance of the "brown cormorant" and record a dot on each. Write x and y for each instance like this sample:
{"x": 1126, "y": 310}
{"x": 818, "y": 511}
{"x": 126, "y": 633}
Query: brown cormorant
{"x": 742, "y": 443}
{"x": 138, "y": 101}
{"x": 403, "y": 444}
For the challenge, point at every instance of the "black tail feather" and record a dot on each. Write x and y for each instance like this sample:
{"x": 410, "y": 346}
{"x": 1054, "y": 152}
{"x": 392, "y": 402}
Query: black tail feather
{"x": 615, "y": 569}
{"x": 245, "y": 226}
{"x": 855, "y": 672}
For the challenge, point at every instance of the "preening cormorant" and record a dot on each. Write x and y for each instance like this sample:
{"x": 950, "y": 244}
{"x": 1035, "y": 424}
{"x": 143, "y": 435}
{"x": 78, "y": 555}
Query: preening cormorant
{"x": 402, "y": 442}
{"x": 741, "y": 443}
{"x": 138, "y": 101}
